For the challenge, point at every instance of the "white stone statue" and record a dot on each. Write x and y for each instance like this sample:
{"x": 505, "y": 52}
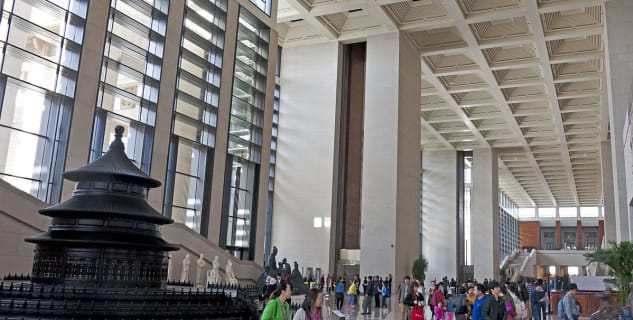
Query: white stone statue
{"x": 200, "y": 271}
{"x": 170, "y": 267}
{"x": 184, "y": 274}
{"x": 591, "y": 269}
{"x": 229, "y": 273}
{"x": 213, "y": 274}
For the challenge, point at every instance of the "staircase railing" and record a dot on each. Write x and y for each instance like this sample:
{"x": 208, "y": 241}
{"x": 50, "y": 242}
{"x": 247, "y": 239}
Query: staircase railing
{"x": 521, "y": 271}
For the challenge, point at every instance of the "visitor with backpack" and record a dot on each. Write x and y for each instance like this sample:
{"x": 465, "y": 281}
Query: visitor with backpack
{"x": 461, "y": 304}
{"x": 567, "y": 305}
{"x": 519, "y": 306}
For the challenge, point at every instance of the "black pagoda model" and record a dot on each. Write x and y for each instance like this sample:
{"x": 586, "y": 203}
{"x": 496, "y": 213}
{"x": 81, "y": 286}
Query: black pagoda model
{"x": 103, "y": 256}
{"x": 105, "y": 235}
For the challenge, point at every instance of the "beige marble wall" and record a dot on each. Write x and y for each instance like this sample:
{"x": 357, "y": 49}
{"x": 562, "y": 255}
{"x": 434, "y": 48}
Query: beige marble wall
{"x": 18, "y": 220}
{"x": 305, "y": 158}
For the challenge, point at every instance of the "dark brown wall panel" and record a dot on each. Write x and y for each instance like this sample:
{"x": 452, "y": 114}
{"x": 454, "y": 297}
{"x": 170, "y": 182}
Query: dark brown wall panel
{"x": 529, "y": 234}
{"x": 353, "y": 156}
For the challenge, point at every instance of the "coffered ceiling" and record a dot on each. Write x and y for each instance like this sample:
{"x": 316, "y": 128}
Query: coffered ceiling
{"x": 526, "y": 77}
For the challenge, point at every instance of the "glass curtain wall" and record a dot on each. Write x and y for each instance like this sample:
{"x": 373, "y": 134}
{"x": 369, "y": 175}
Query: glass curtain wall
{"x": 41, "y": 45}
{"x": 195, "y": 113}
{"x": 130, "y": 78}
{"x": 508, "y": 226}
{"x": 468, "y": 184}
{"x": 245, "y": 135}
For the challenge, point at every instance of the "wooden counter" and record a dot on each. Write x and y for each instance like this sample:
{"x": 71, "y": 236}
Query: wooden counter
{"x": 587, "y": 299}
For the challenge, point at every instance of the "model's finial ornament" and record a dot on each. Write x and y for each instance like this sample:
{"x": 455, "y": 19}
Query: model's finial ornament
{"x": 118, "y": 135}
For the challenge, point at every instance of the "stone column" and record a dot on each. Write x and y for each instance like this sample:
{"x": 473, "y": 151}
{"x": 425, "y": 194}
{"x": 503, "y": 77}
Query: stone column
{"x": 222, "y": 129}
{"x": 87, "y": 88}
{"x": 619, "y": 19}
{"x": 439, "y": 213}
{"x": 607, "y": 192}
{"x": 264, "y": 177}
{"x": 389, "y": 239}
{"x": 485, "y": 214}
{"x": 162, "y": 130}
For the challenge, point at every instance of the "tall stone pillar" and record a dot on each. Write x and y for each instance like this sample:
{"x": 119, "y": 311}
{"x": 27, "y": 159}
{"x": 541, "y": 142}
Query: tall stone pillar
{"x": 485, "y": 214}
{"x": 389, "y": 241}
{"x": 619, "y": 19}
{"x": 607, "y": 192}
{"x": 439, "y": 213}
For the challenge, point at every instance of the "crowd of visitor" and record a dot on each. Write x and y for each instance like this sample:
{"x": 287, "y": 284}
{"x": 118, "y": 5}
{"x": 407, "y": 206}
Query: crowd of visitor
{"x": 445, "y": 300}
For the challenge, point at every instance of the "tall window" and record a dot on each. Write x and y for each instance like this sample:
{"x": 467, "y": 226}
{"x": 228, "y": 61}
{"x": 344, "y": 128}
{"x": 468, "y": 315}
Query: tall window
{"x": 548, "y": 239}
{"x": 130, "y": 78}
{"x": 41, "y": 44}
{"x": 468, "y": 164}
{"x": 265, "y": 5}
{"x": 590, "y": 239}
{"x": 508, "y": 226}
{"x": 195, "y": 113}
{"x": 245, "y": 135}
{"x": 569, "y": 239}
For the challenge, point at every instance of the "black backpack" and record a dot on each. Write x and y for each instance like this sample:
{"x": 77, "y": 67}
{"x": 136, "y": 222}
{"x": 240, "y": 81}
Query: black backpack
{"x": 460, "y": 304}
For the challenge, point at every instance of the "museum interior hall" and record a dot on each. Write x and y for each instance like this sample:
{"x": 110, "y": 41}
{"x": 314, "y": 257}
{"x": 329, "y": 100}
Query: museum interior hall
{"x": 492, "y": 137}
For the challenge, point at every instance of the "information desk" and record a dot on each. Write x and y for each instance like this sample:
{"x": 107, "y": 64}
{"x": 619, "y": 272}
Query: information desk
{"x": 587, "y": 299}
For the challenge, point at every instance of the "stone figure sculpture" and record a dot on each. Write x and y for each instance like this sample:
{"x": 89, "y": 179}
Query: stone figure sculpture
{"x": 229, "y": 273}
{"x": 591, "y": 269}
{"x": 213, "y": 274}
{"x": 170, "y": 266}
{"x": 296, "y": 280}
{"x": 200, "y": 271}
{"x": 184, "y": 273}
{"x": 270, "y": 268}
{"x": 285, "y": 268}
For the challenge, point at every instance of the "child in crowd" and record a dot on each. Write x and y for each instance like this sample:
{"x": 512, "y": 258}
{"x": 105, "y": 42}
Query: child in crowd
{"x": 439, "y": 311}
{"x": 450, "y": 307}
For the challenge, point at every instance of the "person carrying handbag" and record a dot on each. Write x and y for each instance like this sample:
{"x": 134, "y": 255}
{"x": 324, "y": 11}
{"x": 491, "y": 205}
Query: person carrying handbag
{"x": 415, "y": 301}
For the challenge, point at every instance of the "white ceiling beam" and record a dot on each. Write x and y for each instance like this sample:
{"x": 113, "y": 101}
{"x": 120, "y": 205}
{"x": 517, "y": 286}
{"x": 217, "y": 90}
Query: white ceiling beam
{"x": 304, "y": 11}
{"x": 576, "y": 57}
{"x": 336, "y": 7}
{"x": 467, "y": 88}
{"x": 574, "y": 32}
{"x": 420, "y": 25}
{"x": 581, "y": 94}
{"x": 443, "y": 49}
{"x": 585, "y": 76}
{"x": 437, "y": 136}
{"x": 497, "y": 14}
{"x": 515, "y": 64}
{"x": 456, "y": 12}
{"x": 453, "y": 71}
{"x": 563, "y": 5}
{"x": 289, "y": 17}
{"x": 505, "y": 42}
{"x": 520, "y": 83}
{"x": 379, "y": 11}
